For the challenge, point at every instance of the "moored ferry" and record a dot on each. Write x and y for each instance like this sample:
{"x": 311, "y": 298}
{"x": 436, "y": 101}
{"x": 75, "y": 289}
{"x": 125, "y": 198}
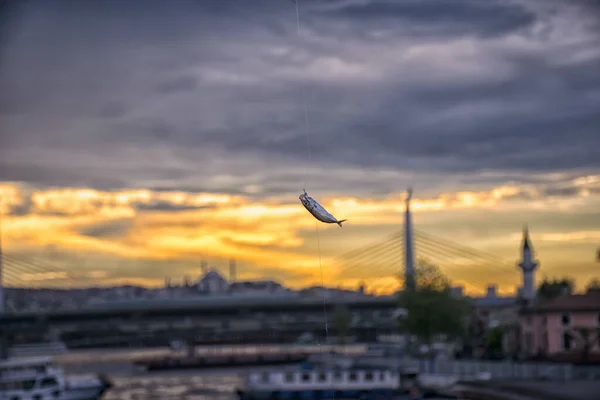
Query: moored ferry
{"x": 317, "y": 384}
{"x": 36, "y": 378}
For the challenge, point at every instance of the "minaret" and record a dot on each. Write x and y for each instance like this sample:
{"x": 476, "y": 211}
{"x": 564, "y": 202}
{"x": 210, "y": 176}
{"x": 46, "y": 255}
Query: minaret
{"x": 528, "y": 265}
{"x": 409, "y": 258}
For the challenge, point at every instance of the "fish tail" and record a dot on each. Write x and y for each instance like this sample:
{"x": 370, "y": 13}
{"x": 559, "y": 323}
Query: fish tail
{"x": 340, "y": 222}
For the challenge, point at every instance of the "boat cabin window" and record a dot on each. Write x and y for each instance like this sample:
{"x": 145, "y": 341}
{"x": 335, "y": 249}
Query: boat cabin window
{"x": 381, "y": 375}
{"x": 264, "y": 377}
{"x": 352, "y": 376}
{"x": 289, "y": 377}
{"x": 368, "y": 376}
{"x": 337, "y": 376}
{"x": 49, "y": 382}
{"x": 305, "y": 377}
{"x": 28, "y": 384}
{"x": 322, "y": 377}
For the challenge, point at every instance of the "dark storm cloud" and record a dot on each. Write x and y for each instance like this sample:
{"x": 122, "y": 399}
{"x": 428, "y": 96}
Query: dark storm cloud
{"x": 44, "y": 176}
{"x": 487, "y": 18}
{"x": 22, "y": 208}
{"x": 562, "y": 192}
{"x": 167, "y": 207}
{"x": 208, "y": 95}
{"x": 113, "y": 109}
{"x": 174, "y": 85}
{"x": 107, "y": 229}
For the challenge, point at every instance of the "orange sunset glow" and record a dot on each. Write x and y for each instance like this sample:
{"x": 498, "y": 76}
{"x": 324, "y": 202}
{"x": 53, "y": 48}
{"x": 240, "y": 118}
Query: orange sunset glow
{"x": 139, "y": 228}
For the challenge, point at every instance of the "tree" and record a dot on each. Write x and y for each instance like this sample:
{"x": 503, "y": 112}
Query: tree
{"x": 494, "y": 340}
{"x": 550, "y": 289}
{"x": 594, "y": 284}
{"x": 588, "y": 337}
{"x": 342, "y": 319}
{"x": 433, "y": 310}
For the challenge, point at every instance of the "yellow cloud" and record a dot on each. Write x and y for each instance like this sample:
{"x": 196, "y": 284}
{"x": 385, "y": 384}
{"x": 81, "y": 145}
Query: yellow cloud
{"x": 10, "y": 196}
{"x": 585, "y": 237}
{"x": 144, "y": 224}
{"x": 44, "y": 276}
{"x": 97, "y": 274}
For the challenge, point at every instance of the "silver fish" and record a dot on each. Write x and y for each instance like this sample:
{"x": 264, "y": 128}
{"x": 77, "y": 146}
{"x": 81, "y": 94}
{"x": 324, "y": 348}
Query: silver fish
{"x": 318, "y": 211}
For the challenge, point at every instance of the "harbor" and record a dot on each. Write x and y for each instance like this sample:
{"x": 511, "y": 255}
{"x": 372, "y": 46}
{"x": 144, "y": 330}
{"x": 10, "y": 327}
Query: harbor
{"x": 210, "y": 357}
{"x": 359, "y": 372}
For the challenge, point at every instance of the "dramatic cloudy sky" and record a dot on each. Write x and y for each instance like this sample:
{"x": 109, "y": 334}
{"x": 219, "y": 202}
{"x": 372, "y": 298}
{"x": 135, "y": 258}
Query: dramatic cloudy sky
{"x": 139, "y": 137}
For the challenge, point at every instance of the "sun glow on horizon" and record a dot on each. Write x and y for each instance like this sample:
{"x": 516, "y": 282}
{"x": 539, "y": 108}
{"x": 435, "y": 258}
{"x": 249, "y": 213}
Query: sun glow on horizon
{"x": 165, "y": 226}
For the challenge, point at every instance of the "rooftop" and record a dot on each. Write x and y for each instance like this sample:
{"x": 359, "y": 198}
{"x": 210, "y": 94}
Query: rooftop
{"x": 589, "y": 301}
{"x": 212, "y": 274}
{"x": 494, "y": 302}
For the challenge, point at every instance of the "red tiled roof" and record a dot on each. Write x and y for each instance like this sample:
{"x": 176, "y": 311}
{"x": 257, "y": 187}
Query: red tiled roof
{"x": 589, "y": 301}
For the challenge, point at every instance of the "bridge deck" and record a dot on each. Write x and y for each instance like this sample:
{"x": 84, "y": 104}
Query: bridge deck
{"x": 195, "y": 307}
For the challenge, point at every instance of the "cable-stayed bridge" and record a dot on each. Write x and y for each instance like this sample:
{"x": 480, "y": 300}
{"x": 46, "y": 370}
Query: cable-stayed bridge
{"x": 388, "y": 264}
{"x": 382, "y": 263}
{"x": 162, "y": 319}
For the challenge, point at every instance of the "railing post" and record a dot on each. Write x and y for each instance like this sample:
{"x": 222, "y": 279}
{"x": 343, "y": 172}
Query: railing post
{"x": 568, "y": 372}
{"x": 3, "y": 346}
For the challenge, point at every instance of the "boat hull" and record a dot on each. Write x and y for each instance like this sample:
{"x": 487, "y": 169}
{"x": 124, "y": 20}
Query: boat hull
{"x": 86, "y": 389}
{"x": 91, "y": 393}
{"x": 35, "y": 378}
{"x": 83, "y": 394}
{"x": 76, "y": 390}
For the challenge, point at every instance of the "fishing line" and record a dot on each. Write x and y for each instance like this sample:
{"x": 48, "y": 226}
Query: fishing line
{"x": 306, "y": 178}
{"x": 322, "y": 282}
{"x": 304, "y": 104}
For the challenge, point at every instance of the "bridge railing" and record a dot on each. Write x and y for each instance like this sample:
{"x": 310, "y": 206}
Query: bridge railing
{"x": 470, "y": 369}
{"x": 585, "y": 372}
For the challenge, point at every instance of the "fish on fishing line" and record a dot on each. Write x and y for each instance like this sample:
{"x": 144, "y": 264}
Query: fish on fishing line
{"x": 318, "y": 211}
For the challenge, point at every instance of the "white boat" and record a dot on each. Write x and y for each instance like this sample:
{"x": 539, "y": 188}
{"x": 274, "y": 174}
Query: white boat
{"x": 35, "y": 378}
{"x": 322, "y": 384}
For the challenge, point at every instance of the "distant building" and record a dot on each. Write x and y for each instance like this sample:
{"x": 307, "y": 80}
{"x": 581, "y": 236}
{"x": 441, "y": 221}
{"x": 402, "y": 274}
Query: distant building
{"x": 256, "y": 287}
{"x": 556, "y": 327}
{"x": 319, "y": 291}
{"x": 495, "y": 310}
{"x": 502, "y": 312}
{"x": 362, "y": 288}
{"x": 212, "y": 283}
{"x": 457, "y": 291}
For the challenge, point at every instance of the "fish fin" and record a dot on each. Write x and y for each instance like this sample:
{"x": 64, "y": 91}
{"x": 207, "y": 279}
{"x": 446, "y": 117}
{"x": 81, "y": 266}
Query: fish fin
{"x": 340, "y": 222}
